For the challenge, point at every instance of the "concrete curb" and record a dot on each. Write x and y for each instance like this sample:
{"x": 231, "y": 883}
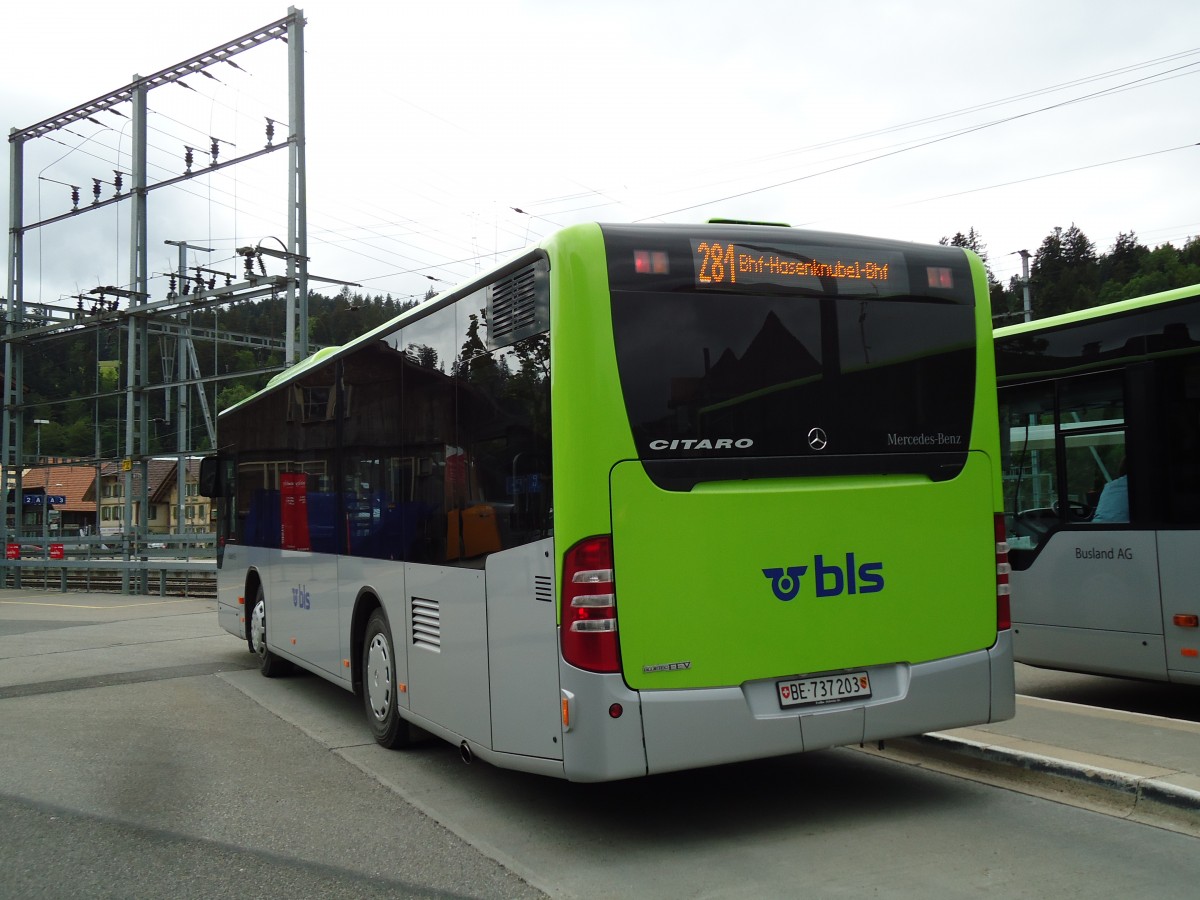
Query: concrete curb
{"x": 1153, "y": 797}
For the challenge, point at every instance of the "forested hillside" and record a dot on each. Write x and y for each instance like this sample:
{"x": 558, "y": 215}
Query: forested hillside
{"x": 1067, "y": 273}
{"x": 63, "y": 376}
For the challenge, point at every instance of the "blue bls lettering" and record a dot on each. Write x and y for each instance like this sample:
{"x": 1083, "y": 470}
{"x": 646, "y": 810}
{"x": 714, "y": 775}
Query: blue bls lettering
{"x": 831, "y": 579}
{"x": 301, "y": 598}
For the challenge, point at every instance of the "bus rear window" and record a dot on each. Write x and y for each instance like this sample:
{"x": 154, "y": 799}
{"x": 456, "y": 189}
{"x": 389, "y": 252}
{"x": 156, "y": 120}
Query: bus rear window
{"x": 809, "y": 375}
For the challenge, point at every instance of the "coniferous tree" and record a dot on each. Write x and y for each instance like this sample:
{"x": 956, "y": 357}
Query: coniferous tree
{"x": 1063, "y": 276}
{"x": 1003, "y": 308}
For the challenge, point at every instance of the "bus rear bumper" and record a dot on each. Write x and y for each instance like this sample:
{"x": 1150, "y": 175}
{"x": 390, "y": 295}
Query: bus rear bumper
{"x": 692, "y": 728}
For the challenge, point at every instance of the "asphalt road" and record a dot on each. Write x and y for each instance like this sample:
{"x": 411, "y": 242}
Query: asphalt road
{"x": 132, "y": 770}
{"x": 143, "y": 758}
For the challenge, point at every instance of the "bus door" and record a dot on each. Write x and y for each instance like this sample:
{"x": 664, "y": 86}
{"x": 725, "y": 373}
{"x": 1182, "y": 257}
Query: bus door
{"x": 1085, "y": 585}
{"x": 303, "y": 602}
{"x": 1176, "y": 436}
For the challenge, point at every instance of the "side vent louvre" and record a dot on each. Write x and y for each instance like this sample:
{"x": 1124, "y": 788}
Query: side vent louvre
{"x": 426, "y": 624}
{"x": 518, "y": 306}
{"x": 543, "y": 588}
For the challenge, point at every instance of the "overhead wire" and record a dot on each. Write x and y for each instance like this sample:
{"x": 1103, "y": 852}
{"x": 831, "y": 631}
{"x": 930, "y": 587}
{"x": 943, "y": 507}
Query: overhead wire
{"x": 918, "y": 144}
{"x": 991, "y": 187}
{"x": 354, "y": 227}
{"x": 849, "y": 139}
{"x": 424, "y": 263}
{"x": 374, "y": 229}
{"x": 979, "y": 107}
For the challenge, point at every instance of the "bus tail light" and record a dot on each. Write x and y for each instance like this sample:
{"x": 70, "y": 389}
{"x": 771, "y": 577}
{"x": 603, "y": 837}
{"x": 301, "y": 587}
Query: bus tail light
{"x": 1003, "y": 568}
{"x": 589, "y": 607}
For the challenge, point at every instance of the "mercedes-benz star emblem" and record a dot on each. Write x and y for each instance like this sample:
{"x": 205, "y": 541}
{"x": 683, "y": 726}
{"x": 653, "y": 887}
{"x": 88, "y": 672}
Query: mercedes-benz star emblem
{"x": 817, "y": 439}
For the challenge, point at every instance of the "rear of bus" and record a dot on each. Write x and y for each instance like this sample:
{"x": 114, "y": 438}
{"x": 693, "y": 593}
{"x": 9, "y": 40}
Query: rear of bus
{"x": 777, "y": 499}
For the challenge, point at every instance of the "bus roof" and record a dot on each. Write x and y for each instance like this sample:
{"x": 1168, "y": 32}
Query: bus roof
{"x": 1097, "y": 312}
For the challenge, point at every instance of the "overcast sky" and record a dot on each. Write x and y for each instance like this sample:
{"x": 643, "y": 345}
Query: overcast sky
{"x": 428, "y": 123}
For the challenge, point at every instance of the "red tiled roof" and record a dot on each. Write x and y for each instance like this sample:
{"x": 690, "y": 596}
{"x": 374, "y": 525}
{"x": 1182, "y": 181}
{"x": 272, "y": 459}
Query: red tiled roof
{"x": 77, "y": 483}
{"x": 72, "y": 482}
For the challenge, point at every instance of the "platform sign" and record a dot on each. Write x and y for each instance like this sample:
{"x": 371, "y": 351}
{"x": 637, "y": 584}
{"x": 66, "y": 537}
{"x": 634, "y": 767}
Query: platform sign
{"x": 13, "y": 551}
{"x": 56, "y": 551}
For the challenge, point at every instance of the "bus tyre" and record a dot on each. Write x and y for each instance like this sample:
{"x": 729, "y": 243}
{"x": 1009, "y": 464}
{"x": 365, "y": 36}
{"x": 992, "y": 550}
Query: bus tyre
{"x": 379, "y": 685}
{"x": 268, "y": 663}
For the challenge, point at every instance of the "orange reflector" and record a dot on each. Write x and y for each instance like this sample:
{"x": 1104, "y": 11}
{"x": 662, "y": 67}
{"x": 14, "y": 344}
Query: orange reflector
{"x": 345, "y": 663}
{"x": 1184, "y": 620}
{"x": 402, "y": 688}
{"x": 566, "y": 713}
{"x": 241, "y": 601}
{"x": 293, "y": 642}
{"x": 1190, "y": 652}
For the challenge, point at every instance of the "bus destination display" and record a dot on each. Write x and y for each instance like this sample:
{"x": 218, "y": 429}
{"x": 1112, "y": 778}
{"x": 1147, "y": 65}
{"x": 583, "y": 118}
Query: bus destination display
{"x": 735, "y": 265}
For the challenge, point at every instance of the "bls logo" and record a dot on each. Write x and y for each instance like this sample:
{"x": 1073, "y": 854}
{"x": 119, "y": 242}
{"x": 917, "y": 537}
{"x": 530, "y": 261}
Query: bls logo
{"x": 301, "y": 598}
{"x": 831, "y": 579}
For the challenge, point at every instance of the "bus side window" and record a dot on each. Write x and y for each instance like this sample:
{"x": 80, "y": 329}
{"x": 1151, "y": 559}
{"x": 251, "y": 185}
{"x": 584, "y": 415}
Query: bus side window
{"x": 1029, "y": 464}
{"x": 1062, "y": 443}
{"x": 1112, "y": 502}
{"x": 1091, "y": 433}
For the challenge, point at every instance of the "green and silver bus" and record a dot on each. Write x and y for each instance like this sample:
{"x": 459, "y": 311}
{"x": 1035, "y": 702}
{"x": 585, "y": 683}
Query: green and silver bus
{"x": 646, "y": 498}
{"x": 1100, "y": 431}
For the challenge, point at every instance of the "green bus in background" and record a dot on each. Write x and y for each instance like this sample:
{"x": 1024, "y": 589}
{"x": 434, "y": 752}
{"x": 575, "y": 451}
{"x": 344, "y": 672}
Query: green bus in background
{"x": 646, "y": 498}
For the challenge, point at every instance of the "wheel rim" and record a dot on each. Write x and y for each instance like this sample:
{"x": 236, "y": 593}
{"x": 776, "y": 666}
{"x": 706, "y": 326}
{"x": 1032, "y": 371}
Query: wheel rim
{"x": 258, "y": 627}
{"x": 379, "y": 677}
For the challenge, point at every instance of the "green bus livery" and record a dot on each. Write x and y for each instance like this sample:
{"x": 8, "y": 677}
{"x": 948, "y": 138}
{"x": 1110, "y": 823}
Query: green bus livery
{"x": 645, "y": 498}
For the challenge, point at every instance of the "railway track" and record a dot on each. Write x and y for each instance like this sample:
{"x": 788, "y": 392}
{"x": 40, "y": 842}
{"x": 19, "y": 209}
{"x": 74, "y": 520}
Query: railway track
{"x": 164, "y": 584}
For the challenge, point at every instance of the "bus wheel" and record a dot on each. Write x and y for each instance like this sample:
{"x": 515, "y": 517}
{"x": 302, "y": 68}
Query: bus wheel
{"x": 379, "y": 685}
{"x": 268, "y": 663}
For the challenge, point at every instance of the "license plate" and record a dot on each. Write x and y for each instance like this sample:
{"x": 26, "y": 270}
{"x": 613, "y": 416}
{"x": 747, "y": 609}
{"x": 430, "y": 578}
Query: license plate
{"x": 823, "y": 689}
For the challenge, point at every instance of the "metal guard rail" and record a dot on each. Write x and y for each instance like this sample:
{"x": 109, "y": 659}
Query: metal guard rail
{"x": 135, "y": 573}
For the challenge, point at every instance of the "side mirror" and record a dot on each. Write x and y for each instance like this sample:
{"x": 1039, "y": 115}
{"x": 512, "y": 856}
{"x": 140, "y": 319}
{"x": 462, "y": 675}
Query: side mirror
{"x": 210, "y": 476}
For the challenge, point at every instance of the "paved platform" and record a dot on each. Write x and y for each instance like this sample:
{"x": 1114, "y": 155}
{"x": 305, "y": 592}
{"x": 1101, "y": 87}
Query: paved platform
{"x": 1139, "y": 766}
